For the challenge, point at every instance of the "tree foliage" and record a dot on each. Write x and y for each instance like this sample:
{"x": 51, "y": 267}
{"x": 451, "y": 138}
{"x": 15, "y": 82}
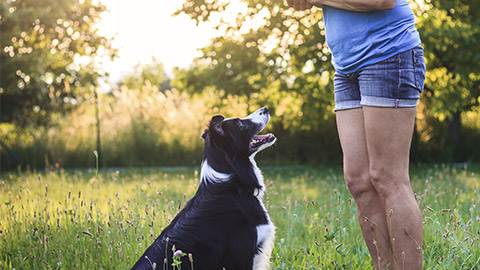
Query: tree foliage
{"x": 276, "y": 57}
{"x": 450, "y": 32}
{"x": 285, "y": 53}
{"x": 48, "y": 50}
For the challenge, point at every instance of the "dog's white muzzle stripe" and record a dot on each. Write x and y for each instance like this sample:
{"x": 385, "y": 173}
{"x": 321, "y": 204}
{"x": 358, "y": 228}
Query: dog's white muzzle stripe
{"x": 259, "y": 117}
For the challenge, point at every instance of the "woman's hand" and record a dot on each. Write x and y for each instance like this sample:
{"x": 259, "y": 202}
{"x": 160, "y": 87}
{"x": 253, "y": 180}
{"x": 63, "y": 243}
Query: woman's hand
{"x": 299, "y": 4}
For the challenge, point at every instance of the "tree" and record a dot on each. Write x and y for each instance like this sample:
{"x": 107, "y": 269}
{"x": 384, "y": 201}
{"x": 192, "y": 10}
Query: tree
{"x": 272, "y": 49}
{"x": 275, "y": 57}
{"x": 48, "y": 56}
{"x": 450, "y": 32}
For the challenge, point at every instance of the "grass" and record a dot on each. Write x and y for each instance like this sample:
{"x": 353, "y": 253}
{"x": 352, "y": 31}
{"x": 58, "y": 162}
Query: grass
{"x": 80, "y": 220}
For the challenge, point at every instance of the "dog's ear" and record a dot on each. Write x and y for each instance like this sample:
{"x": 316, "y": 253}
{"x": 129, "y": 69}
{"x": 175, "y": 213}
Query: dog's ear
{"x": 216, "y": 125}
{"x": 205, "y": 133}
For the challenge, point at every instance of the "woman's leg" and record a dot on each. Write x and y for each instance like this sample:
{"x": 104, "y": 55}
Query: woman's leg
{"x": 371, "y": 212}
{"x": 388, "y": 137}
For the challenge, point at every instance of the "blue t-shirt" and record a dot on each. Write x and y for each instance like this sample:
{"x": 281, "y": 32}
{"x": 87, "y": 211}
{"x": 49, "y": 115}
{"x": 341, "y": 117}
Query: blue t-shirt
{"x": 358, "y": 39}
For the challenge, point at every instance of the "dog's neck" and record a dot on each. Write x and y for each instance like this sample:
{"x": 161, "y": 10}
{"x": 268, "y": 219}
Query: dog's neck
{"x": 258, "y": 192}
{"x": 209, "y": 175}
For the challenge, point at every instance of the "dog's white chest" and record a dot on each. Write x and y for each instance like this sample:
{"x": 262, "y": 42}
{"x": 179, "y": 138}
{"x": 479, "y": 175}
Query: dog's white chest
{"x": 265, "y": 232}
{"x": 265, "y": 242}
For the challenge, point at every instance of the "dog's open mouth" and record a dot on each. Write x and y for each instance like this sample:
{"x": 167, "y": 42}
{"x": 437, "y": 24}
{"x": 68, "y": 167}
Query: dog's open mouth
{"x": 259, "y": 140}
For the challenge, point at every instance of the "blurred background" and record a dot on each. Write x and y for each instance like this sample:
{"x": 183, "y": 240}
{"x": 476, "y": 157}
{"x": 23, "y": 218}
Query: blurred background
{"x": 137, "y": 82}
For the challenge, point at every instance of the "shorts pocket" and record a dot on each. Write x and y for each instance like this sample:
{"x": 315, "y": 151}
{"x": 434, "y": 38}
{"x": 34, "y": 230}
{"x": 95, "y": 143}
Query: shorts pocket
{"x": 419, "y": 68}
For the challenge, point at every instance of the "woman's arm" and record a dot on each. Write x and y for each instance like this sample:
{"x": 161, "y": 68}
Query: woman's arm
{"x": 353, "y": 5}
{"x": 300, "y": 4}
{"x": 356, "y": 5}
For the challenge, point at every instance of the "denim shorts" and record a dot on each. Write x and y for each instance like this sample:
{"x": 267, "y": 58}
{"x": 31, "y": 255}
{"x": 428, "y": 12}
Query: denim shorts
{"x": 393, "y": 83}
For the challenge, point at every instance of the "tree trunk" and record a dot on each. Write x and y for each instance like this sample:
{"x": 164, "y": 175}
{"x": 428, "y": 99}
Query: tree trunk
{"x": 99, "y": 146}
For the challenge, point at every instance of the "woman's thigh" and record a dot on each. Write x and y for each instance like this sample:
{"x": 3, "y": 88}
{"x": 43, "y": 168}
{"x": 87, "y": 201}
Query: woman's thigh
{"x": 388, "y": 133}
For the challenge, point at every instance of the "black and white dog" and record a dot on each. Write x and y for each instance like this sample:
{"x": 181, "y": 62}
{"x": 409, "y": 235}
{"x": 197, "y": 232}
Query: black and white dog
{"x": 225, "y": 225}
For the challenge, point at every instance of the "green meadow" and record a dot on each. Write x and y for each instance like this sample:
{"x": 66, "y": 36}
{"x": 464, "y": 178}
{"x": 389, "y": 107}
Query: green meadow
{"x": 83, "y": 219}
{"x": 62, "y": 97}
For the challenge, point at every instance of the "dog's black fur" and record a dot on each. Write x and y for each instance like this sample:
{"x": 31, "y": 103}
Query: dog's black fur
{"x": 220, "y": 225}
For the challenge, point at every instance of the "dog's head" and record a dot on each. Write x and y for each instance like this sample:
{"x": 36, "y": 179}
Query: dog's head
{"x": 230, "y": 143}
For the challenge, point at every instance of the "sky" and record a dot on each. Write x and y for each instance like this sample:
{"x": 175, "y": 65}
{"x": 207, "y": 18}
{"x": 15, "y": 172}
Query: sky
{"x": 143, "y": 29}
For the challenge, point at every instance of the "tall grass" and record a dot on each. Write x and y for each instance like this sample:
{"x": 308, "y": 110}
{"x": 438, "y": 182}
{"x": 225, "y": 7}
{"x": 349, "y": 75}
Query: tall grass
{"x": 76, "y": 220}
{"x": 143, "y": 127}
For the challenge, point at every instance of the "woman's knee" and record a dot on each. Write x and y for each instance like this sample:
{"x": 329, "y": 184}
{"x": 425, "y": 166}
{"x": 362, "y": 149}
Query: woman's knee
{"x": 358, "y": 183}
{"x": 387, "y": 181}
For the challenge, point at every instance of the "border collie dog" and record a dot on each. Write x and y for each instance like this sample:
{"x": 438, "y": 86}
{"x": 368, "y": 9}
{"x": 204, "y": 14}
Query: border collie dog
{"x": 225, "y": 225}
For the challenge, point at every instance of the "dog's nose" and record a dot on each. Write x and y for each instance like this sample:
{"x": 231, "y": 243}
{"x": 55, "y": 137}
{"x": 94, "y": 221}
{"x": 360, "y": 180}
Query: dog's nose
{"x": 264, "y": 111}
